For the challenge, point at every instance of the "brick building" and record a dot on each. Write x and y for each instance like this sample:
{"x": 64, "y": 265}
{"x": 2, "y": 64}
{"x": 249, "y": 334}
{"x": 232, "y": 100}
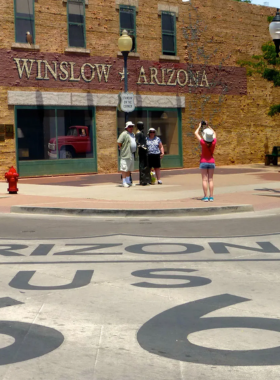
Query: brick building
{"x": 59, "y": 83}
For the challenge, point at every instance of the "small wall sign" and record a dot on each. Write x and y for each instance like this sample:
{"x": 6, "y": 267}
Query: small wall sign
{"x": 127, "y": 102}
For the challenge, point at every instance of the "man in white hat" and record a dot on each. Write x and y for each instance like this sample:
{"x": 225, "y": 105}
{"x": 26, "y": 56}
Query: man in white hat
{"x": 127, "y": 146}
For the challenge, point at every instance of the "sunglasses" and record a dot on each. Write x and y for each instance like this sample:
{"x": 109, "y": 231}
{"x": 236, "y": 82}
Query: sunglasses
{"x": 152, "y": 132}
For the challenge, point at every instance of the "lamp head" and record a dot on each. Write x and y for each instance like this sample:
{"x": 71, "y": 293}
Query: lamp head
{"x": 274, "y": 26}
{"x": 125, "y": 42}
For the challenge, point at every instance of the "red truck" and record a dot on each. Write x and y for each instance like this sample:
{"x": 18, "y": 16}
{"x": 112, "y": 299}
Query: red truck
{"x": 76, "y": 143}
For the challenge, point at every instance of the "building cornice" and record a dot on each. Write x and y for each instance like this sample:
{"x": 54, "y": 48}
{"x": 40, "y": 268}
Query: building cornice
{"x": 40, "y": 98}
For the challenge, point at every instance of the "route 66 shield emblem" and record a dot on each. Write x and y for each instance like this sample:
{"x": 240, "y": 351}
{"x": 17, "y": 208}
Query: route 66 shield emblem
{"x": 127, "y": 101}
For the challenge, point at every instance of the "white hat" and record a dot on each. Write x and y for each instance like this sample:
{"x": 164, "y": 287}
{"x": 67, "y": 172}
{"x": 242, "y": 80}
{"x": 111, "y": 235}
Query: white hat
{"x": 129, "y": 124}
{"x": 208, "y": 135}
{"x": 151, "y": 130}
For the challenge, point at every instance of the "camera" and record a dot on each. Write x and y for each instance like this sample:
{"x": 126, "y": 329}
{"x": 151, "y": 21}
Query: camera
{"x": 203, "y": 122}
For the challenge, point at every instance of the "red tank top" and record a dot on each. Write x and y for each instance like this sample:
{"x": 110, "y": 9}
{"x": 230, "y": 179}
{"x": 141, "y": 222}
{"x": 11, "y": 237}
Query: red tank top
{"x": 207, "y": 152}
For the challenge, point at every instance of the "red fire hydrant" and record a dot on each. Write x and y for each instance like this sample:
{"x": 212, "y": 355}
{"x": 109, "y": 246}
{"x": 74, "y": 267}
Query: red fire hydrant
{"x": 12, "y": 178}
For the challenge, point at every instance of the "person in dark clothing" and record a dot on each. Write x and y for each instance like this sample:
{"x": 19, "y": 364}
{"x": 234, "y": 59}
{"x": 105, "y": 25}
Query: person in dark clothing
{"x": 144, "y": 170}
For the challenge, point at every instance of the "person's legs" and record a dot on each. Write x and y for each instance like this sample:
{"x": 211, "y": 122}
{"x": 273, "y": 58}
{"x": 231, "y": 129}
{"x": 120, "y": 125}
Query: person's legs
{"x": 125, "y": 177}
{"x": 130, "y": 168}
{"x": 128, "y": 174}
{"x": 157, "y": 170}
{"x": 204, "y": 175}
{"x": 210, "y": 181}
{"x": 126, "y": 166}
{"x": 157, "y": 167}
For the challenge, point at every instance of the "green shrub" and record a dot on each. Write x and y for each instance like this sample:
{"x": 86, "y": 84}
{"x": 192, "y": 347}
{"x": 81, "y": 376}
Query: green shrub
{"x": 266, "y": 65}
{"x": 270, "y": 18}
{"x": 269, "y": 53}
{"x": 274, "y": 109}
{"x": 272, "y": 75}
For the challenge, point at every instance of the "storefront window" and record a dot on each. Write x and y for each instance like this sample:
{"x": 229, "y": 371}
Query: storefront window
{"x": 45, "y": 134}
{"x": 164, "y": 122}
{"x": 35, "y": 129}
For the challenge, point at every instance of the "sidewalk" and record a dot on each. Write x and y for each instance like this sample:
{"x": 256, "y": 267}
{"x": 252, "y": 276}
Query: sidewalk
{"x": 250, "y": 187}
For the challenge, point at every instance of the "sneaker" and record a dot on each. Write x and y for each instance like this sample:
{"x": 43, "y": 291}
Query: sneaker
{"x": 211, "y": 199}
{"x": 159, "y": 182}
{"x": 204, "y": 199}
{"x": 125, "y": 185}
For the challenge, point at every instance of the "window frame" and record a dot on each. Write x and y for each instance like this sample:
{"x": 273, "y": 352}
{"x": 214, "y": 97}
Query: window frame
{"x": 168, "y": 33}
{"x": 133, "y": 8}
{"x": 24, "y": 18}
{"x": 76, "y": 23}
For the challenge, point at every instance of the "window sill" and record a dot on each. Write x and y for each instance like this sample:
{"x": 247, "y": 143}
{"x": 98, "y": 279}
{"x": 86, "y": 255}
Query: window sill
{"x": 130, "y": 55}
{"x": 77, "y": 50}
{"x": 169, "y": 58}
{"x": 21, "y": 46}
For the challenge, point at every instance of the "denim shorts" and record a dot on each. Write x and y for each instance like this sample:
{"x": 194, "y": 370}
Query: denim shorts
{"x": 206, "y": 165}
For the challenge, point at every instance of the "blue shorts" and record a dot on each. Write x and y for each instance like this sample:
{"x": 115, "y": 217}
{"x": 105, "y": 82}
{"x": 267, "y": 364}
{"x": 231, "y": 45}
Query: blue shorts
{"x": 206, "y": 165}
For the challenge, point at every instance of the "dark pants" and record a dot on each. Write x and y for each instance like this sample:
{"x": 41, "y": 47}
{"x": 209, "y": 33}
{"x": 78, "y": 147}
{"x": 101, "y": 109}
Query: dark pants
{"x": 144, "y": 170}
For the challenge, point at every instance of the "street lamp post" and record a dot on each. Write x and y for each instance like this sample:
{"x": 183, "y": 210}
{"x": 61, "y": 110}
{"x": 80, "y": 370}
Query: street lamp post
{"x": 274, "y": 30}
{"x": 125, "y": 46}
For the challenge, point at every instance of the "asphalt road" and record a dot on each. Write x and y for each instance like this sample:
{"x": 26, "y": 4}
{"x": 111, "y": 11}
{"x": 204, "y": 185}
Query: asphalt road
{"x": 141, "y": 299}
{"x": 51, "y": 227}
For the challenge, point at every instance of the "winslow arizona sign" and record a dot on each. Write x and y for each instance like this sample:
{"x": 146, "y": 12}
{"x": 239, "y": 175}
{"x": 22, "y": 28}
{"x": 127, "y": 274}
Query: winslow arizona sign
{"x": 50, "y": 70}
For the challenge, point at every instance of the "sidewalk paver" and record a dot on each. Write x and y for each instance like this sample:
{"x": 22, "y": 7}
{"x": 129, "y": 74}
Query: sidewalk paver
{"x": 254, "y": 185}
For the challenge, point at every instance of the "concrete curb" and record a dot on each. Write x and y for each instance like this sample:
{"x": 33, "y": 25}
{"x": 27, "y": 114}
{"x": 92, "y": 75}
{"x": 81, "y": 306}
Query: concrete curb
{"x": 199, "y": 211}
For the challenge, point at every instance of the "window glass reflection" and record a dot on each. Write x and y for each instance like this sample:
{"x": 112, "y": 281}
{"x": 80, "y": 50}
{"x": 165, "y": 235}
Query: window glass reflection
{"x": 166, "y": 125}
{"x": 22, "y": 27}
{"x": 24, "y": 19}
{"x": 76, "y": 35}
{"x": 168, "y": 44}
{"x": 167, "y": 22}
{"x": 74, "y": 130}
{"x": 24, "y": 8}
{"x": 76, "y": 23}
{"x": 38, "y": 140}
{"x": 76, "y": 12}
{"x": 127, "y": 19}
{"x": 164, "y": 122}
{"x": 140, "y": 115}
{"x": 35, "y": 130}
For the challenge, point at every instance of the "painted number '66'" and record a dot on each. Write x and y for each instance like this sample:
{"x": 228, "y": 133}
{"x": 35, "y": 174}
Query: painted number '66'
{"x": 167, "y": 334}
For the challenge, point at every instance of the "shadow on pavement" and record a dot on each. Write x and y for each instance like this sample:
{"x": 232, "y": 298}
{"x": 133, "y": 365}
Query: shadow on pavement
{"x": 92, "y": 179}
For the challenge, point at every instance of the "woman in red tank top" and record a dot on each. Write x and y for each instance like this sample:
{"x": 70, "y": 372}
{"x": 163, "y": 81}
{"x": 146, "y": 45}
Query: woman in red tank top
{"x": 207, "y": 141}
